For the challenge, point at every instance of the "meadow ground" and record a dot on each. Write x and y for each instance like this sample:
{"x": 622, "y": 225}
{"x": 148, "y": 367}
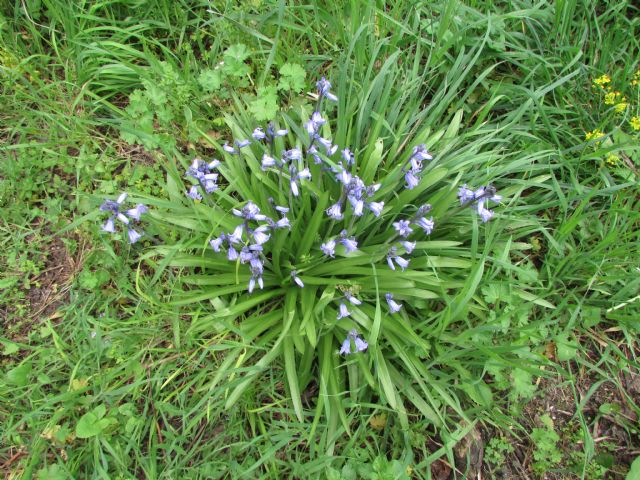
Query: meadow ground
{"x": 108, "y": 368}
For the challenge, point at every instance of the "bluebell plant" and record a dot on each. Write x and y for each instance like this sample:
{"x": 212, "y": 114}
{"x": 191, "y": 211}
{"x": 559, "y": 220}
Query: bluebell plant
{"x": 251, "y": 241}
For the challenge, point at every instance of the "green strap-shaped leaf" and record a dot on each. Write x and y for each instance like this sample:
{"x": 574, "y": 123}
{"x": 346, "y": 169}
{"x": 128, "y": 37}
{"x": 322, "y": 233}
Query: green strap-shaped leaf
{"x": 311, "y": 229}
{"x": 292, "y": 375}
{"x": 385, "y": 379}
{"x": 377, "y": 316}
{"x": 370, "y": 163}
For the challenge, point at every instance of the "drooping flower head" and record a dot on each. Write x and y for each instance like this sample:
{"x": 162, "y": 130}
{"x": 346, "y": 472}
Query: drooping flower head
{"x": 478, "y": 199}
{"x": 324, "y": 86}
{"x": 353, "y": 300}
{"x": 314, "y": 123}
{"x": 465, "y": 194}
{"x": 126, "y": 217}
{"x": 376, "y": 207}
{"x": 292, "y": 154}
{"x": 350, "y": 243}
{"x": 193, "y": 193}
{"x": 393, "y": 305}
{"x": 408, "y": 246}
{"x": 329, "y": 248}
{"x": 133, "y": 235}
{"x": 256, "y": 268}
{"x": 335, "y": 211}
{"x": 348, "y": 156}
{"x": 204, "y": 173}
{"x": 249, "y": 212}
{"x": 343, "y": 311}
{"x": 329, "y": 147}
{"x": 392, "y": 257}
{"x": 403, "y": 228}
{"x": 313, "y": 151}
{"x": 260, "y": 235}
{"x": 258, "y": 134}
{"x": 411, "y": 179}
{"x": 419, "y": 154}
{"x": 426, "y": 224}
{"x": 296, "y": 279}
{"x": 268, "y": 162}
{"x": 216, "y": 243}
{"x": 360, "y": 344}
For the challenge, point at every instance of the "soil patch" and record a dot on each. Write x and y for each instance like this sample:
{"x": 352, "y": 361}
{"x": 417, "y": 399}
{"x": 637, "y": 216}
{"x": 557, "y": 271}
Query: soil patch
{"x": 610, "y": 412}
{"x": 49, "y": 289}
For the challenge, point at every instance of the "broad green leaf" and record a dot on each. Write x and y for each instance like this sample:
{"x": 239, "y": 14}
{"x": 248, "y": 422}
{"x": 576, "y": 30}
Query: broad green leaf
{"x": 292, "y": 77}
{"x": 234, "y": 58}
{"x": 92, "y": 423}
{"x": 238, "y": 52}
{"x": 19, "y": 376}
{"x": 533, "y": 298}
{"x": 52, "y": 472}
{"x": 210, "y": 80}
{"x": 8, "y": 282}
{"x": 265, "y": 361}
{"x": 265, "y": 106}
{"x": 523, "y": 386}
{"x": 566, "y": 348}
{"x": 9, "y": 347}
{"x": 634, "y": 471}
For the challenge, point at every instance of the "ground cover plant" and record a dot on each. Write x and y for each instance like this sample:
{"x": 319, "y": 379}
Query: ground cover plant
{"x": 513, "y": 349}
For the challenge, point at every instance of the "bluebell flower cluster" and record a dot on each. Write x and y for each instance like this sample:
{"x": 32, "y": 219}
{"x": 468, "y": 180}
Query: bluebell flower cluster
{"x": 392, "y": 256}
{"x": 324, "y": 88}
{"x": 248, "y": 242}
{"x": 343, "y": 310}
{"x": 126, "y": 217}
{"x": 352, "y": 341}
{"x": 414, "y": 166}
{"x": 479, "y": 199}
{"x": 268, "y": 136}
{"x": 204, "y": 173}
{"x": 239, "y": 144}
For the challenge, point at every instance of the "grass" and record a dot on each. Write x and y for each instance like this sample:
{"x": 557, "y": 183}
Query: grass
{"x": 549, "y": 319}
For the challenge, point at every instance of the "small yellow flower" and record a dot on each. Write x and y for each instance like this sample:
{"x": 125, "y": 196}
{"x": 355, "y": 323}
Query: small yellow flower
{"x": 612, "y": 159}
{"x": 636, "y": 78}
{"x": 593, "y": 135}
{"x": 612, "y": 98}
{"x": 621, "y": 107}
{"x": 635, "y": 123}
{"x": 602, "y": 80}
